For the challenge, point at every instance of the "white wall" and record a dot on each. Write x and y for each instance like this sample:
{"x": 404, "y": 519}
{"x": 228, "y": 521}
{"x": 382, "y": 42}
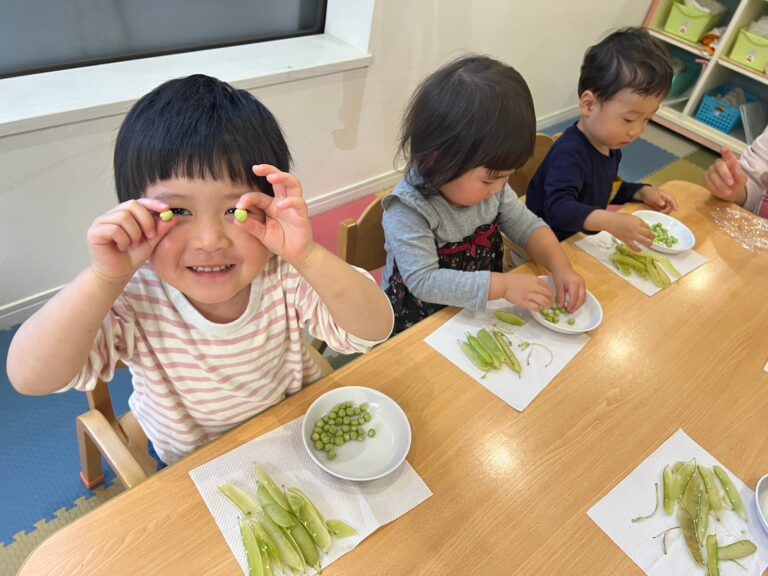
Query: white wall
{"x": 341, "y": 127}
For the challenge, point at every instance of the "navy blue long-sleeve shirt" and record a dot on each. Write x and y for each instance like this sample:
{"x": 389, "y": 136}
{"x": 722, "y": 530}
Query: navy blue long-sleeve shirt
{"x": 573, "y": 180}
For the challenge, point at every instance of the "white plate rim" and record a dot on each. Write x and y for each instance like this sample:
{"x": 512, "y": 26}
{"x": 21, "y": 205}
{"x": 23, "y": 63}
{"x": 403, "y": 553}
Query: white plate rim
{"x": 651, "y": 217}
{"x": 567, "y": 329}
{"x": 366, "y": 390}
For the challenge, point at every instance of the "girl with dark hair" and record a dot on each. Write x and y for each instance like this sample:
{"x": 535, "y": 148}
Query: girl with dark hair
{"x": 468, "y": 126}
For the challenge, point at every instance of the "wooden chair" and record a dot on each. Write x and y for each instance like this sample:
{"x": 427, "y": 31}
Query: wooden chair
{"x": 361, "y": 241}
{"x": 121, "y": 441}
{"x": 522, "y": 177}
{"x": 519, "y": 182}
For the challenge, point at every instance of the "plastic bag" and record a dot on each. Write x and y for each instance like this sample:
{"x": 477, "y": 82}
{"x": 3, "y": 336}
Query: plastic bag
{"x": 748, "y": 230}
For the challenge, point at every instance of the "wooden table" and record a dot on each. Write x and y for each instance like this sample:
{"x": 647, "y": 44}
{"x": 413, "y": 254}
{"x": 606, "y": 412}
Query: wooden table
{"x": 511, "y": 490}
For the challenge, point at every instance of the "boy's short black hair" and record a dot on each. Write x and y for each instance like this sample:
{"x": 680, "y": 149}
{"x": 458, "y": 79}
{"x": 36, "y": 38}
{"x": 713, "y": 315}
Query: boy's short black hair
{"x": 629, "y": 58}
{"x": 196, "y": 127}
{"x": 474, "y": 111}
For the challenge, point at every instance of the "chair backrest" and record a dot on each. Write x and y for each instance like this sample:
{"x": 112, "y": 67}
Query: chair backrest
{"x": 522, "y": 177}
{"x": 361, "y": 241}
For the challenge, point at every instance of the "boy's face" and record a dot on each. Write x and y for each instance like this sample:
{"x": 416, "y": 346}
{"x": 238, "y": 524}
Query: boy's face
{"x": 474, "y": 186}
{"x": 618, "y": 122}
{"x": 205, "y": 255}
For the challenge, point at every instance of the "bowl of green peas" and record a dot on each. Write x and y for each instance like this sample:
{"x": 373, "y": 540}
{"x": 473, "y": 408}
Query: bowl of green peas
{"x": 558, "y": 319}
{"x": 671, "y": 235}
{"x": 356, "y": 433}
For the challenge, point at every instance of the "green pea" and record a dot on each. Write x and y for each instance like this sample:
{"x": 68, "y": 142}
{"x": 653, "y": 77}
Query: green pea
{"x": 241, "y": 215}
{"x": 166, "y": 216}
{"x": 315, "y": 436}
{"x": 331, "y": 455}
{"x": 367, "y": 416}
{"x": 339, "y": 441}
{"x": 371, "y": 432}
{"x": 319, "y": 444}
{"x": 364, "y": 406}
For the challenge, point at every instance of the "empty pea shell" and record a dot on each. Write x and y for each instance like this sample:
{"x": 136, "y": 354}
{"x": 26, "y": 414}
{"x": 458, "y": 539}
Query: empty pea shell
{"x": 241, "y": 215}
{"x": 166, "y": 215}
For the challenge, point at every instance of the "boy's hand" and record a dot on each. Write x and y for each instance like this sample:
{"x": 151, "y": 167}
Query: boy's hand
{"x": 285, "y": 228}
{"x": 657, "y": 199}
{"x": 630, "y": 229}
{"x": 527, "y": 291}
{"x": 123, "y": 239}
{"x": 726, "y": 180}
{"x": 569, "y": 288}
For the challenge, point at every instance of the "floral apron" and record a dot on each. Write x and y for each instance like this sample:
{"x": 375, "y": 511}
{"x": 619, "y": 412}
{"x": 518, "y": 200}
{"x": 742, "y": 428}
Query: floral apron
{"x": 483, "y": 250}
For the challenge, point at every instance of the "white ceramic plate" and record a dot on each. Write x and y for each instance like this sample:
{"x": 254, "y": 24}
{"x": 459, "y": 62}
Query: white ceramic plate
{"x": 685, "y": 238}
{"x": 374, "y": 457}
{"x": 761, "y": 500}
{"x": 587, "y": 318}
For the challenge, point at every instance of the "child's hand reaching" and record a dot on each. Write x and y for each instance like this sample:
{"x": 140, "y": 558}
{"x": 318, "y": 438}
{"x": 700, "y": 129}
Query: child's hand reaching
{"x": 121, "y": 240}
{"x": 656, "y": 199}
{"x": 285, "y": 228}
{"x": 630, "y": 229}
{"x": 726, "y": 180}
{"x": 569, "y": 288}
{"x": 526, "y": 290}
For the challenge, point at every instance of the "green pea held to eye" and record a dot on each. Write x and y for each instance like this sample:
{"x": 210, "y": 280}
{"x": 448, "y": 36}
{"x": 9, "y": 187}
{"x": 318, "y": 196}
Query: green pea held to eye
{"x": 166, "y": 216}
{"x": 241, "y": 215}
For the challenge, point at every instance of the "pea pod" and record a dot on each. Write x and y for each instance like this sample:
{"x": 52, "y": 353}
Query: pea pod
{"x": 509, "y": 318}
{"x": 730, "y": 491}
{"x": 310, "y": 518}
{"x": 713, "y": 568}
{"x": 474, "y": 357}
{"x": 696, "y": 503}
{"x": 669, "y": 501}
{"x": 737, "y": 550}
{"x": 252, "y": 553}
{"x": 280, "y": 515}
{"x": 715, "y": 502}
{"x": 480, "y": 349}
{"x": 274, "y": 489}
{"x": 265, "y": 541}
{"x": 689, "y": 533}
{"x": 241, "y": 499}
{"x": 285, "y": 547}
{"x": 680, "y": 479}
{"x": 489, "y": 343}
{"x": 511, "y": 359}
{"x": 340, "y": 529}
{"x": 306, "y": 545}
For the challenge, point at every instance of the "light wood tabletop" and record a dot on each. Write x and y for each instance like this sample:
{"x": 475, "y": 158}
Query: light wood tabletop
{"x": 511, "y": 489}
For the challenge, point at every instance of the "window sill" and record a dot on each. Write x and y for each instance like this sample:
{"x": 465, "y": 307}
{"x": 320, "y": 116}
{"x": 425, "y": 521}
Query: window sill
{"x": 57, "y": 98}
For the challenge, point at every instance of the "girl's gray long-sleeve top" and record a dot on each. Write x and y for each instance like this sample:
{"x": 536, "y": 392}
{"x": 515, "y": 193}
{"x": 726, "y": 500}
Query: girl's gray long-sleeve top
{"x": 415, "y": 226}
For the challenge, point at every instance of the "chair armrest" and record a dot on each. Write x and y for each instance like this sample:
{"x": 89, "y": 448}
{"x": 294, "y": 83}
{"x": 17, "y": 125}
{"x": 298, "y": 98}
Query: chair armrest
{"x": 111, "y": 446}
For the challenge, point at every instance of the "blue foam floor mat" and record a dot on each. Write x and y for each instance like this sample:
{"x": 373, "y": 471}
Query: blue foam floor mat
{"x": 41, "y": 469}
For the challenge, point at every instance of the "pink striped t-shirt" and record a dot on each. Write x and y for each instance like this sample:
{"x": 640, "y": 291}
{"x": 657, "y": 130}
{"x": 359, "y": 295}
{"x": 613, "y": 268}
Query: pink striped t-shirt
{"x": 194, "y": 379}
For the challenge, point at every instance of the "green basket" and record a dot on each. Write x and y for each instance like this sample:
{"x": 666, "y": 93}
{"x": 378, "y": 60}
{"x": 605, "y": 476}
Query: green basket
{"x": 750, "y": 50}
{"x": 689, "y": 23}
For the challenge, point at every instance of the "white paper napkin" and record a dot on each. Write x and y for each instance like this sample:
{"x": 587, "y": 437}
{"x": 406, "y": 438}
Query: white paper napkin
{"x": 634, "y": 497}
{"x": 600, "y": 246}
{"x": 517, "y": 391}
{"x": 364, "y": 505}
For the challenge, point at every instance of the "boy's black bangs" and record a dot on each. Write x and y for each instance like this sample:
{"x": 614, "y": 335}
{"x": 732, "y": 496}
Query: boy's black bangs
{"x": 197, "y": 128}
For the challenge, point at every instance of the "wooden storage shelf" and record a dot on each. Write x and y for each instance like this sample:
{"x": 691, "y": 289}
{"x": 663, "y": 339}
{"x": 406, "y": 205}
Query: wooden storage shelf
{"x": 719, "y": 69}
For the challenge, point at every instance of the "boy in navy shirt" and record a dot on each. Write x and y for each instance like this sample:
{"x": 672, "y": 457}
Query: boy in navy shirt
{"x": 623, "y": 81}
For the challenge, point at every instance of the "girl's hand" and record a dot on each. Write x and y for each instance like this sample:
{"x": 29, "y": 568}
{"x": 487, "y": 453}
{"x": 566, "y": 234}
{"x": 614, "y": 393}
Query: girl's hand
{"x": 280, "y": 223}
{"x": 630, "y": 229}
{"x": 123, "y": 239}
{"x": 726, "y": 180}
{"x": 569, "y": 288}
{"x": 657, "y": 199}
{"x": 527, "y": 291}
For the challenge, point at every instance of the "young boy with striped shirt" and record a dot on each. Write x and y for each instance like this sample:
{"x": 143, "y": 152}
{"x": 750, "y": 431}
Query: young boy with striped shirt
{"x": 204, "y": 277}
